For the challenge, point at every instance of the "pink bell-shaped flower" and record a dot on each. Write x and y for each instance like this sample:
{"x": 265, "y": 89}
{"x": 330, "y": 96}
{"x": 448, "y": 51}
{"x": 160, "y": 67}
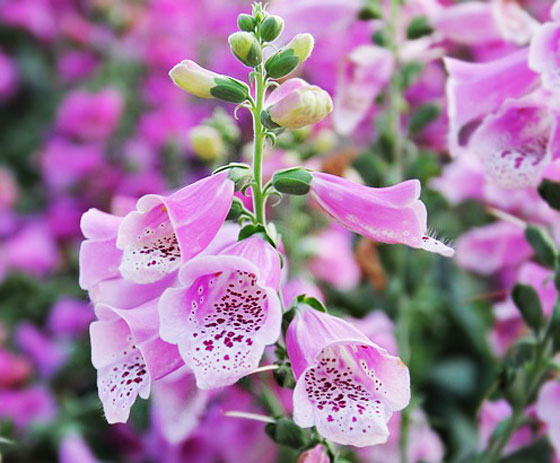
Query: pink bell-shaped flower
{"x": 128, "y": 354}
{"x": 166, "y": 231}
{"x": 225, "y": 311}
{"x": 347, "y": 386}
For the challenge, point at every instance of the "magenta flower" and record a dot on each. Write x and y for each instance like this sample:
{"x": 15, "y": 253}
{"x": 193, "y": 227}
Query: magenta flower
{"x": 475, "y": 90}
{"x": 492, "y": 413}
{"x": 225, "y": 311}
{"x": 347, "y": 386}
{"x": 128, "y": 355}
{"x": 543, "y": 53}
{"x": 518, "y": 142}
{"x": 390, "y": 215}
{"x": 488, "y": 249}
{"x": 333, "y": 258}
{"x": 27, "y": 406}
{"x": 99, "y": 256}
{"x": 166, "y": 231}
{"x": 90, "y": 116}
{"x": 363, "y": 74}
{"x": 547, "y": 410}
{"x": 74, "y": 448}
{"x": 178, "y": 405}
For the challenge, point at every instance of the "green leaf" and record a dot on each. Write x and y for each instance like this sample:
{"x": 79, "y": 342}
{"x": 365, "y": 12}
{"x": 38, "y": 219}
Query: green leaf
{"x": 423, "y": 116}
{"x": 286, "y": 432}
{"x": 550, "y": 192}
{"x": 527, "y": 301}
{"x": 419, "y": 27}
{"x": 543, "y": 245}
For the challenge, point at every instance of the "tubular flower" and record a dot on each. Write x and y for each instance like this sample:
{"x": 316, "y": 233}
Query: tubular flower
{"x": 128, "y": 354}
{"x": 347, "y": 386}
{"x": 165, "y": 231}
{"x": 391, "y": 215}
{"x": 225, "y": 311}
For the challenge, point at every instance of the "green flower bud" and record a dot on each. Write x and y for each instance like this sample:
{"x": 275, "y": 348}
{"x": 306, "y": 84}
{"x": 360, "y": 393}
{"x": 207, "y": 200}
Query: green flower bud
{"x": 289, "y": 57}
{"x": 271, "y": 28}
{"x": 246, "y": 22}
{"x": 246, "y": 48}
{"x": 236, "y": 209}
{"x": 295, "y": 181}
{"x": 207, "y": 84}
{"x": 207, "y": 143}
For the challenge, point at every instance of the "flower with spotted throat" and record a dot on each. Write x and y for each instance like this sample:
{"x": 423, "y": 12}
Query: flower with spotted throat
{"x": 166, "y": 231}
{"x": 128, "y": 355}
{"x": 225, "y": 311}
{"x": 347, "y": 386}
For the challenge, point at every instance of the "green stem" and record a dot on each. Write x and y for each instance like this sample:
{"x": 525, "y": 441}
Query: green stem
{"x": 538, "y": 370}
{"x": 394, "y": 109}
{"x": 260, "y": 135}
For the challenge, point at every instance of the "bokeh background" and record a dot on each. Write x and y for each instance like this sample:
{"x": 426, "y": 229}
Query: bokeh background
{"x": 90, "y": 118}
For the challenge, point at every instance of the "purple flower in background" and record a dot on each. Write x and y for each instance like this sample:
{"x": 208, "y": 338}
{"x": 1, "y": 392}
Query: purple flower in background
{"x": 8, "y": 77}
{"x": 90, "y": 116}
{"x": 333, "y": 258}
{"x": 347, "y": 386}
{"x": 225, "y": 311}
{"x": 48, "y": 354}
{"x": 488, "y": 249}
{"x": 363, "y": 74}
{"x": 27, "y": 406}
{"x": 73, "y": 448}
{"x": 546, "y": 408}
{"x": 70, "y": 317}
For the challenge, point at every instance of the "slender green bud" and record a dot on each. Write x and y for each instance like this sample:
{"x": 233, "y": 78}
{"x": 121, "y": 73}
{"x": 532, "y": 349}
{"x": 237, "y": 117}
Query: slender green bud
{"x": 271, "y": 28}
{"x": 246, "y": 22}
{"x": 246, "y": 48}
{"x": 295, "y": 181}
{"x": 207, "y": 84}
{"x": 289, "y": 57}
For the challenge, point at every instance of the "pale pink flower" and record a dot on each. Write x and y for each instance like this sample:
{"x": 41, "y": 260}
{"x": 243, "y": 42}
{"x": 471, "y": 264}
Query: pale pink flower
{"x": 166, "y": 231}
{"x": 128, "y": 355}
{"x": 547, "y": 410}
{"x": 391, "y": 215}
{"x": 225, "y": 311}
{"x": 347, "y": 386}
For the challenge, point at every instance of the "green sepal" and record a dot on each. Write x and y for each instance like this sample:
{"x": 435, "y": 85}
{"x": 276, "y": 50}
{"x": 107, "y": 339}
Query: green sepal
{"x": 527, "y": 301}
{"x": 230, "y": 90}
{"x": 294, "y": 181}
{"x": 281, "y": 64}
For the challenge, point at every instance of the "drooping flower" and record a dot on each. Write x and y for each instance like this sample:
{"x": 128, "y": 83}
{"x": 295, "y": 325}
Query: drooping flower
{"x": 225, "y": 311}
{"x": 488, "y": 249}
{"x": 518, "y": 142}
{"x": 333, "y": 258}
{"x": 362, "y": 76}
{"x": 347, "y": 386}
{"x": 166, "y": 231}
{"x": 296, "y": 104}
{"x": 128, "y": 354}
{"x": 390, "y": 215}
{"x": 543, "y": 52}
{"x": 475, "y": 90}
